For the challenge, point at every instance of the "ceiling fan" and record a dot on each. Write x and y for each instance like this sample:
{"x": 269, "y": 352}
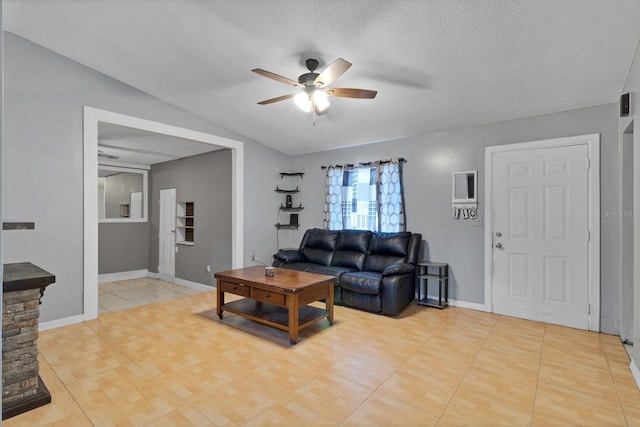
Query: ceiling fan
{"x": 315, "y": 93}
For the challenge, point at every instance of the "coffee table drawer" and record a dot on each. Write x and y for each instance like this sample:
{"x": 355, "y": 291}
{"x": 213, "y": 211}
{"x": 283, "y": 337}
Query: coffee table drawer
{"x": 270, "y": 297}
{"x": 234, "y": 288}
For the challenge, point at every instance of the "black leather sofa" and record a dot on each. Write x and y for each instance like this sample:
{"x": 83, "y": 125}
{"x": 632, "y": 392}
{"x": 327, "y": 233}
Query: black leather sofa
{"x": 375, "y": 272}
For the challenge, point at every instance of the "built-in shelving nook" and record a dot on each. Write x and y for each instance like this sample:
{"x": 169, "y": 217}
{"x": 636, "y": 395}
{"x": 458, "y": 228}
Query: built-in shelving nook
{"x": 185, "y": 223}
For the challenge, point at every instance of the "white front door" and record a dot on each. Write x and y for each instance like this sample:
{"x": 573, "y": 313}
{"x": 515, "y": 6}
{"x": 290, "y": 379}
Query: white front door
{"x": 540, "y": 234}
{"x": 167, "y": 236}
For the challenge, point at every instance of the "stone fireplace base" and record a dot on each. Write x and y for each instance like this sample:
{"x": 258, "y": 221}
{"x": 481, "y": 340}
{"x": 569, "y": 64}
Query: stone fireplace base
{"x": 22, "y": 387}
{"x": 41, "y": 397}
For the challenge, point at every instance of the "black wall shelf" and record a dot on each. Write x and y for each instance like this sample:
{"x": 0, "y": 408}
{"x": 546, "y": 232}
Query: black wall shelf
{"x": 280, "y": 190}
{"x": 291, "y": 209}
{"x": 288, "y": 206}
{"x": 287, "y": 226}
{"x": 283, "y": 174}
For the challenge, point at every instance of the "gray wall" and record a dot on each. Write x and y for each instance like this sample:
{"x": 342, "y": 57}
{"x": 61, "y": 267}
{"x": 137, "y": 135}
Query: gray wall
{"x": 123, "y": 246}
{"x": 44, "y": 95}
{"x": 261, "y": 203}
{"x": 431, "y": 161}
{"x": 205, "y": 180}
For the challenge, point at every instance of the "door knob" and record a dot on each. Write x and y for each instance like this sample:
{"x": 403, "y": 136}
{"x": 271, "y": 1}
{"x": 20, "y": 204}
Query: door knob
{"x": 498, "y": 234}
{"x": 499, "y": 245}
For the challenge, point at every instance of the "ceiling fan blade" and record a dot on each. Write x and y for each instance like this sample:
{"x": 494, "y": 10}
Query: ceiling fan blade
{"x": 276, "y": 77}
{"x": 280, "y": 98}
{"x": 343, "y": 92}
{"x": 332, "y": 72}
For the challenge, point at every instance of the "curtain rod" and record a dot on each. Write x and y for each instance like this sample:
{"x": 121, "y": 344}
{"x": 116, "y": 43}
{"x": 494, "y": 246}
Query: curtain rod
{"x": 400, "y": 159}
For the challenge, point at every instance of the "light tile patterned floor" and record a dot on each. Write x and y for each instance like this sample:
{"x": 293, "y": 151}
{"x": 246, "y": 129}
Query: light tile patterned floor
{"x": 123, "y": 294}
{"x": 174, "y": 363}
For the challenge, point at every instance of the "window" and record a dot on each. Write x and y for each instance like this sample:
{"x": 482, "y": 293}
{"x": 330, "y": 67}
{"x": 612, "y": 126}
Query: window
{"x": 359, "y": 199}
{"x": 366, "y": 197}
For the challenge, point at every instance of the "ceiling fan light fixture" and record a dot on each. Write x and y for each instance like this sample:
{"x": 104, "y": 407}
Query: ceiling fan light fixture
{"x": 320, "y": 99}
{"x": 303, "y": 101}
{"x": 315, "y": 90}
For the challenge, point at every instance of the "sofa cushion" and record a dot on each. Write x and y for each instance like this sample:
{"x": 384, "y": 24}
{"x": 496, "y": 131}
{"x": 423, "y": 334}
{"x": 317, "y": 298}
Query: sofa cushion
{"x": 362, "y": 282}
{"x": 316, "y": 268}
{"x": 351, "y": 248}
{"x": 386, "y": 249}
{"x": 318, "y": 245}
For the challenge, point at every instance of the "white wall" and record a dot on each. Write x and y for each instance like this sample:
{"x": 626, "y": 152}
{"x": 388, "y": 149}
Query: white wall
{"x": 431, "y": 161}
{"x": 632, "y": 86}
{"x": 43, "y": 163}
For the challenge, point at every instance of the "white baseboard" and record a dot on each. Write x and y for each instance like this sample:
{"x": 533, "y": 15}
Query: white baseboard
{"x": 123, "y": 275}
{"x": 462, "y": 304}
{"x": 52, "y": 324}
{"x": 635, "y": 372}
{"x": 183, "y": 282}
{"x": 193, "y": 285}
{"x": 469, "y": 305}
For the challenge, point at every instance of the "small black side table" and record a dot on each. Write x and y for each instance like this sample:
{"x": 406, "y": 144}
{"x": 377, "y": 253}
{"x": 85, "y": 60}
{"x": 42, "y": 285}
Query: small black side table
{"x": 426, "y": 272}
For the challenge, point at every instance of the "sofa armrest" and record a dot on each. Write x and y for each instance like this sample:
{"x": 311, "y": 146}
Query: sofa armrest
{"x": 398, "y": 268}
{"x": 288, "y": 256}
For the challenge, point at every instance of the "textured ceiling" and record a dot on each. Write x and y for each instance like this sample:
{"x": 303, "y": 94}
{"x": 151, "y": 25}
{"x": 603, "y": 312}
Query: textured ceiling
{"x": 437, "y": 65}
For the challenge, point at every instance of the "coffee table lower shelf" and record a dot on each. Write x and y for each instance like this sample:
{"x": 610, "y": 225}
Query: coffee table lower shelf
{"x": 273, "y": 315}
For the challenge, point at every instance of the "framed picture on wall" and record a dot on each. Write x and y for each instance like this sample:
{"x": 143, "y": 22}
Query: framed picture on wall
{"x": 465, "y": 213}
{"x": 455, "y": 213}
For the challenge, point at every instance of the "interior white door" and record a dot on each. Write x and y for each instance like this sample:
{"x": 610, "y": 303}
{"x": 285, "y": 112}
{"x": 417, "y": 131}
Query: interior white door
{"x": 540, "y": 235}
{"x": 135, "y": 203}
{"x": 167, "y": 235}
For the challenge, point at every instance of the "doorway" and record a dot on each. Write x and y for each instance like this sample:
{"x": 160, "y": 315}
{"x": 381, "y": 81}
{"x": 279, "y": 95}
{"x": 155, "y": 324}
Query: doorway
{"x": 542, "y": 247}
{"x": 93, "y": 116}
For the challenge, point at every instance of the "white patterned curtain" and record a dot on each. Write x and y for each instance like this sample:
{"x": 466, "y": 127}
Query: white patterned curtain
{"x": 391, "y": 214}
{"x": 333, "y": 199}
{"x": 365, "y": 197}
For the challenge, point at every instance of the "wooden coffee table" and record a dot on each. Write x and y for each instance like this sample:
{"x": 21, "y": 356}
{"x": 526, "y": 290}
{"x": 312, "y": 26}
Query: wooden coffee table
{"x": 281, "y": 301}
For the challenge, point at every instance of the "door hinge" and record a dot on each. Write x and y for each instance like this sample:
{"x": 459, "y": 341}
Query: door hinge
{"x": 588, "y": 163}
{"x": 588, "y": 235}
{"x": 588, "y": 308}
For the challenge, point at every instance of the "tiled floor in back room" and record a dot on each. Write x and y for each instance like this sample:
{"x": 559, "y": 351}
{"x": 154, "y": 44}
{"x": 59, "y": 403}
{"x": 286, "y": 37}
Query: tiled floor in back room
{"x": 116, "y": 296}
{"x": 174, "y": 363}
